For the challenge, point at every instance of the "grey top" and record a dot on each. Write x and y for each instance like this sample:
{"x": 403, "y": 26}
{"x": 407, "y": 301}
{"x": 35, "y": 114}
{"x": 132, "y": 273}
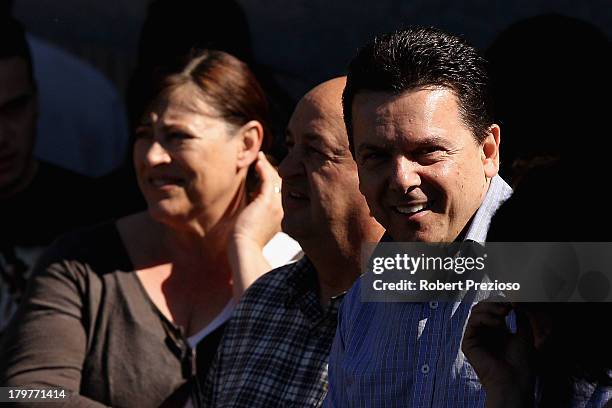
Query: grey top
{"x": 86, "y": 324}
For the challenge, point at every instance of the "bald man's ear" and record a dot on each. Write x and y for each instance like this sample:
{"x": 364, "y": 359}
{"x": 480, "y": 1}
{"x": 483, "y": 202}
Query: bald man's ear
{"x": 250, "y": 139}
{"x": 490, "y": 151}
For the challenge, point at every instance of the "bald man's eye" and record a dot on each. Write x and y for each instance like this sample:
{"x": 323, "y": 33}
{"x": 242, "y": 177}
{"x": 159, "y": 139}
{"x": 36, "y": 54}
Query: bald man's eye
{"x": 316, "y": 152}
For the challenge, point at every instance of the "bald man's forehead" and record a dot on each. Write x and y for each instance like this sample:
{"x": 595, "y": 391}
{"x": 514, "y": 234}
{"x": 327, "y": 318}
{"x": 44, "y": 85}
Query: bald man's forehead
{"x": 312, "y": 119}
{"x": 328, "y": 108}
{"x": 331, "y": 89}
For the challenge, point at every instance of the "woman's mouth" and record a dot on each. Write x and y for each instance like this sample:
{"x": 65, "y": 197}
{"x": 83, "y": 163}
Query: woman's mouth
{"x": 160, "y": 182}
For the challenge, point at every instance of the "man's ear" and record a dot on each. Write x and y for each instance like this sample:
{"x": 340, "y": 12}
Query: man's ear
{"x": 490, "y": 151}
{"x": 251, "y": 138}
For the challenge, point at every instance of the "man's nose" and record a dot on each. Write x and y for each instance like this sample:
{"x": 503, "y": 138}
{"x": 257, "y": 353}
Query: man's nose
{"x": 157, "y": 154}
{"x": 404, "y": 175}
{"x": 291, "y": 166}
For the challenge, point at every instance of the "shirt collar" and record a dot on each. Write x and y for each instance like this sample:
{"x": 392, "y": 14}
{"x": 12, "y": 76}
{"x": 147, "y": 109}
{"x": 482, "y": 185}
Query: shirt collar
{"x": 302, "y": 290}
{"x": 498, "y": 192}
{"x": 301, "y": 280}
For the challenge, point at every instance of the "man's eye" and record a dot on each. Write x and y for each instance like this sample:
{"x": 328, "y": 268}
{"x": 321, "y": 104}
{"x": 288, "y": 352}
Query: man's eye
{"x": 142, "y": 133}
{"x": 312, "y": 150}
{"x": 428, "y": 155}
{"x": 371, "y": 157}
{"x": 16, "y": 105}
{"x": 427, "y": 150}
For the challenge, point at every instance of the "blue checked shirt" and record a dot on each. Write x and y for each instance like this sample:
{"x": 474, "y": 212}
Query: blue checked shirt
{"x": 408, "y": 354}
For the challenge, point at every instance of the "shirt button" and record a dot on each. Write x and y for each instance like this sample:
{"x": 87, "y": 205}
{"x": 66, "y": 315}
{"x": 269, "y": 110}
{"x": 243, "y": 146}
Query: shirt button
{"x": 425, "y": 368}
{"x": 433, "y": 305}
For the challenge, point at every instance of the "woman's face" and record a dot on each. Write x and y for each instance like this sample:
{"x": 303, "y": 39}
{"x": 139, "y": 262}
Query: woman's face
{"x": 185, "y": 158}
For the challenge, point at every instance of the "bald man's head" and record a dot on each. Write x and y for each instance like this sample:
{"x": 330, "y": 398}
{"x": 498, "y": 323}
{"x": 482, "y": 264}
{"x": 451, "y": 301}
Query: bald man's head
{"x": 327, "y": 95}
{"x": 321, "y": 195}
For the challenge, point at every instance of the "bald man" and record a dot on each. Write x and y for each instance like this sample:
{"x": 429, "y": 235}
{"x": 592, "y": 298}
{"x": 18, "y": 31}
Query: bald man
{"x": 275, "y": 347}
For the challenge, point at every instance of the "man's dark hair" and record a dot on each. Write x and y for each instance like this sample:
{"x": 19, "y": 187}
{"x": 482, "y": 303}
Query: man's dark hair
{"x": 13, "y": 42}
{"x": 414, "y": 58}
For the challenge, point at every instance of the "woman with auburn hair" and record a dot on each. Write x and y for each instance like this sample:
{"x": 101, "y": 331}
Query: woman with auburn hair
{"x": 115, "y": 313}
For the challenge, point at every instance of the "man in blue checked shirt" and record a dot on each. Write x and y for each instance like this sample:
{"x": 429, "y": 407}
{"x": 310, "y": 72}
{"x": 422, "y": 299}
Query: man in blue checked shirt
{"x": 427, "y": 152}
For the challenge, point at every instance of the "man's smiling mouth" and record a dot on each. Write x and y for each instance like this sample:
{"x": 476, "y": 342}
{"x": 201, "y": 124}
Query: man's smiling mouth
{"x": 410, "y": 209}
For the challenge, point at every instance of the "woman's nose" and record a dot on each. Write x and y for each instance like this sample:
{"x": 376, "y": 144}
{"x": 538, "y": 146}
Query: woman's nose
{"x": 157, "y": 154}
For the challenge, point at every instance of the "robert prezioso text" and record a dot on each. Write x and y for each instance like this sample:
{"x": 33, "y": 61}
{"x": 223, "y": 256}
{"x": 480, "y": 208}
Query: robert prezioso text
{"x": 425, "y": 285}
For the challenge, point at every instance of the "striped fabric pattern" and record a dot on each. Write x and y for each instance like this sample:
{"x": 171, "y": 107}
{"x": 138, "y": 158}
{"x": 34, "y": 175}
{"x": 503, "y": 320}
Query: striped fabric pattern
{"x": 408, "y": 354}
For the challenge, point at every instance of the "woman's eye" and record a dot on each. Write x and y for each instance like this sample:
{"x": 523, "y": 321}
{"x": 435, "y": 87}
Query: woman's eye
{"x": 178, "y": 136}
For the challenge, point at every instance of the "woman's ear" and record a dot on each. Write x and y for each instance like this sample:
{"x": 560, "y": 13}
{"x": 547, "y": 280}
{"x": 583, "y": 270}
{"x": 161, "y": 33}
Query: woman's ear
{"x": 250, "y": 139}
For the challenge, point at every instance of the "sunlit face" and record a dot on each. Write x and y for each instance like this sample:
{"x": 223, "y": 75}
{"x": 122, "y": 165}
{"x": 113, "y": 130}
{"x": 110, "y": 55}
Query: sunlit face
{"x": 185, "y": 158}
{"x": 420, "y": 168}
{"x": 320, "y": 187}
{"x": 17, "y": 120}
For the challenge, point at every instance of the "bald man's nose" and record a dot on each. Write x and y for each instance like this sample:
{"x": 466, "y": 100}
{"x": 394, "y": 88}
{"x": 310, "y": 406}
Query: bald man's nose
{"x": 291, "y": 165}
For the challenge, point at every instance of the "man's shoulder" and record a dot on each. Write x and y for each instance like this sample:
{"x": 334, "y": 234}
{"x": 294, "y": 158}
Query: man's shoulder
{"x": 264, "y": 308}
{"x": 271, "y": 290}
{"x": 272, "y": 281}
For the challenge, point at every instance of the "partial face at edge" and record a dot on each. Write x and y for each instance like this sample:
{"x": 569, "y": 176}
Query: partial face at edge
{"x": 421, "y": 170}
{"x": 17, "y": 120}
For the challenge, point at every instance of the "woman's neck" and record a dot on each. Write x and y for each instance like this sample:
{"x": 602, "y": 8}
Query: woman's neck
{"x": 189, "y": 250}
{"x": 187, "y": 277}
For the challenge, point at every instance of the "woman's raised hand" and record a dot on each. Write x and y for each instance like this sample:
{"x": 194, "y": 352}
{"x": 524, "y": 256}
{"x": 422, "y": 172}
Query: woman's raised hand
{"x": 260, "y": 220}
{"x": 256, "y": 224}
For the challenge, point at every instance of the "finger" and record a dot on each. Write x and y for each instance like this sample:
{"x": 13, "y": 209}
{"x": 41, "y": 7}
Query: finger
{"x": 481, "y": 320}
{"x": 268, "y": 176}
{"x": 523, "y": 326}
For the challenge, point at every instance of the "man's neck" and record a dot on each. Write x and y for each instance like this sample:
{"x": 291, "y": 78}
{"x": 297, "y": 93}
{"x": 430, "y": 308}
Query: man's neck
{"x": 338, "y": 265}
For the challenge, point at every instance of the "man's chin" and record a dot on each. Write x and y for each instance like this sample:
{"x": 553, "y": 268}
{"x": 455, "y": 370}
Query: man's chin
{"x": 297, "y": 228}
{"x": 399, "y": 235}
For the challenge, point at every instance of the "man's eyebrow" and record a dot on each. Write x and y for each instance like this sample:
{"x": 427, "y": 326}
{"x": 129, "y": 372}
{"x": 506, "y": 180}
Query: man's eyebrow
{"x": 431, "y": 139}
{"x": 369, "y": 146}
